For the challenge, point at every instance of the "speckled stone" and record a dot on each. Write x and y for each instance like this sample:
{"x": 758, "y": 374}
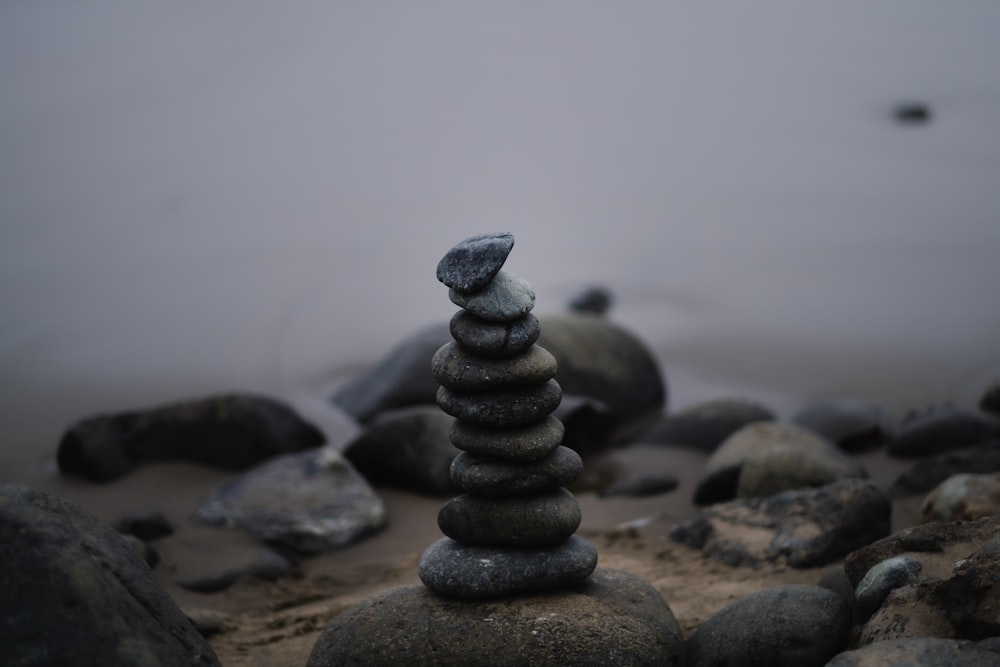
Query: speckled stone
{"x": 509, "y": 407}
{"x": 504, "y": 299}
{"x": 471, "y": 265}
{"x": 544, "y": 519}
{"x": 876, "y": 585}
{"x": 525, "y": 443}
{"x": 494, "y": 339}
{"x": 489, "y": 476}
{"x": 458, "y": 370}
{"x": 469, "y": 572}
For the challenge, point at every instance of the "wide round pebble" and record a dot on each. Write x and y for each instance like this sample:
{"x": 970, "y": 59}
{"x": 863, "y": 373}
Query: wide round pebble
{"x": 457, "y": 369}
{"x": 497, "y": 477}
{"x": 518, "y": 521}
{"x": 524, "y": 443}
{"x": 494, "y": 339}
{"x": 508, "y": 407}
{"x": 472, "y": 264}
{"x": 469, "y": 572}
{"x": 505, "y": 298}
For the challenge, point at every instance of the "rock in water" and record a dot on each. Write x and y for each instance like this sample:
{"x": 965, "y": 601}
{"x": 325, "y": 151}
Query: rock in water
{"x": 76, "y": 593}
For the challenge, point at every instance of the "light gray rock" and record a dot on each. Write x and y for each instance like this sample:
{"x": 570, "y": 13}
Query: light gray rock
{"x": 890, "y": 574}
{"x": 503, "y": 299}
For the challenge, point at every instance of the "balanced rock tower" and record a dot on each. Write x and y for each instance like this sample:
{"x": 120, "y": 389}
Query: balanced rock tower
{"x": 512, "y": 531}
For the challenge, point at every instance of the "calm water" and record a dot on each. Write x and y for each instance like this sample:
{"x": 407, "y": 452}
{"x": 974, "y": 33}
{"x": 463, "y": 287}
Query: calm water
{"x": 254, "y": 196}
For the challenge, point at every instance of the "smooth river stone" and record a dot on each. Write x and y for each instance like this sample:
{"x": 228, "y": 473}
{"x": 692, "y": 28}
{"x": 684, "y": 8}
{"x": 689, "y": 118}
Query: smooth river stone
{"x": 524, "y": 443}
{"x": 514, "y": 521}
{"x": 506, "y": 407}
{"x": 471, "y": 265}
{"x": 494, "y": 339}
{"x": 489, "y": 476}
{"x": 457, "y": 570}
{"x": 459, "y": 370}
{"x": 505, "y": 298}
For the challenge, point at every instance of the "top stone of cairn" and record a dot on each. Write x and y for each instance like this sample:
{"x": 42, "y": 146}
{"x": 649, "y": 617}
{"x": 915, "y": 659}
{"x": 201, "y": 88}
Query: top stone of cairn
{"x": 472, "y": 264}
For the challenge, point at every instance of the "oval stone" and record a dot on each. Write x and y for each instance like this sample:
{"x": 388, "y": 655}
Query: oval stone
{"x": 505, "y": 298}
{"x": 524, "y": 443}
{"x": 508, "y": 407}
{"x": 496, "y": 477}
{"x": 494, "y": 339}
{"x": 457, "y": 570}
{"x": 455, "y": 368}
{"x": 471, "y": 265}
{"x": 517, "y": 521}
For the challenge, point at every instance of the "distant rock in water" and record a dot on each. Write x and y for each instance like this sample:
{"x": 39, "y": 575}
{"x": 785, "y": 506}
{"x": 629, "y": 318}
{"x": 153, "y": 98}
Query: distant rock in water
{"x": 593, "y": 300}
{"x": 940, "y": 429}
{"x": 232, "y": 432}
{"x": 912, "y": 113}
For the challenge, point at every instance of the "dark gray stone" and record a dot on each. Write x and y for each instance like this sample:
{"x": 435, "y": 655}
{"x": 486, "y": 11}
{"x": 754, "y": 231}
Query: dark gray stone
{"x": 461, "y": 371}
{"x": 504, "y": 299}
{"x": 641, "y": 486}
{"x": 786, "y": 626}
{"x": 145, "y": 525}
{"x": 494, "y": 339}
{"x": 927, "y": 473}
{"x": 515, "y": 521}
{"x": 613, "y": 618}
{"x": 990, "y": 400}
{"x": 212, "y": 582}
{"x": 803, "y": 528}
{"x": 938, "y": 430}
{"x": 467, "y": 572}
{"x": 918, "y": 652}
{"x": 705, "y": 426}
{"x": 593, "y": 301}
{"x": 882, "y": 579}
{"x": 76, "y": 593}
{"x": 850, "y": 423}
{"x": 504, "y": 407}
{"x": 308, "y": 502}
{"x": 524, "y": 443}
{"x": 498, "y": 477}
{"x": 231, "y": 432}
{"x": 407, "y": 448}
{"x": 472, "y": 264}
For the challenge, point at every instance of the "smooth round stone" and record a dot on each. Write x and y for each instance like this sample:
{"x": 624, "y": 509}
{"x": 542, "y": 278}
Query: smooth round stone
{"x": 507, "y": 407}
{"x": 517, "y": 521}
{"x": 457, "y": 570}
{"x": 471, "y": 265}
{"x": 497, "y": 477}
{"x": 505, "y": 298}
{"x": 457, "y": 369}
{"x": 494, "y": 339}
{"x": 879, "y": 581}
{"x": 524, "y": 443}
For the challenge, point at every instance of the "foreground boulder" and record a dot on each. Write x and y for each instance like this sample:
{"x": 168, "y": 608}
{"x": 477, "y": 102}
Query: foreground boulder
{"x": 231, "y": 431}
{"x": 76, "y": 593}
{"x": 611, "y": 618}
{"x": 803, "y": 528}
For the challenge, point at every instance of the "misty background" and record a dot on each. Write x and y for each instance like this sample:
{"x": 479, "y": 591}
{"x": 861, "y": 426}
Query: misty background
{"x": 202, "y": 197}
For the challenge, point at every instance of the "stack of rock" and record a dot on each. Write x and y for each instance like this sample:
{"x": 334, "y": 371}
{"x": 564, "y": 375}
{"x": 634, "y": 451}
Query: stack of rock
{"x": 513, "y": 530}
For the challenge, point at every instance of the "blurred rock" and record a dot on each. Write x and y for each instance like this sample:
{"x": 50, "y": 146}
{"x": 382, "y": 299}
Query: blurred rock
{"x": 990, "y": 400}
{"x": 145, "y": 525}
{"x": 912, "y": 113}
{"x": 706, "y": 425}
{"x": 928, "y": 472}
{"x": 963, "y": 498}
{"x": 851, "y": 424}
{"x": 938, "y": 430}
{"x": 641, "y": 486}
{"x": 882, "y": 579}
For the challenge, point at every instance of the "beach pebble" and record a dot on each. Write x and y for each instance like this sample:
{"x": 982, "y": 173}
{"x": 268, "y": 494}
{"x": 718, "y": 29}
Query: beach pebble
{"x": 491, "y": 476}
{"x": 850, "y": 423}
{"x": 75, "y": 590}
{"x": 502, "y": 407}
{"x": 927, "y": 473}
{"x": 537, "y": 520}
{"x": 525, "y": 443}
{"x": 233, "y": 432}
{"x": 882, "y": 579}
{"x": 494, "y": 339}
{"x": 145, "y": 525}
{"x": 473, "y": 263}
{"x": 919, "y": 652}
{"x": 613, "y": 618}
{"x": 503, "y": 299}
{"x": 938, "y": 430}
{"x": 706, "y": 425}
{"x": 406, "y": 448}
{"x": 641, "y": 486}
{"x": 462, "y": 371}
{"x": 796, "y": 625}
{"x": 803, "y": 528}
{"x": 308, "y": 502}
{"x": 963, "y": 498}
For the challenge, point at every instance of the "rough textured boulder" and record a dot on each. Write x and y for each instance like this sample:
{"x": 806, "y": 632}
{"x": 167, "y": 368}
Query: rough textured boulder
{"x": 75, "y": 592}
{"x": 793, "y": 626}
{"x": 611, "y": 618}
{"x": 232, "y": 432}
{"x": 804, "y": 528}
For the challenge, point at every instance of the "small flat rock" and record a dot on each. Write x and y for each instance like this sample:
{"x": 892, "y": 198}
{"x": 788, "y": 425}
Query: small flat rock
{"x": 927, "y": 473}
{"x": 706, "y": 425}
{"x": 938, "y": 430}
{"x": 502, "y": 408}
{"x": 504, "y": 299}
{"x": 472, "y": 264}
{"x": 918, "y": 652}
{"x": 882, "y": 579}
{"x": 490, "y": 476}
{"x": 494, "y": 339}
{"x": 963, "y": 498}
{"x": 850, "y": 423}
{"x": 525, "y": 443}
{"x": 787, "y": 625}
{"x": 538, "y": 520}
{"x": 460, "y": 370}
{"x": 309, "y": 502}
{"x": 613, "y": 618}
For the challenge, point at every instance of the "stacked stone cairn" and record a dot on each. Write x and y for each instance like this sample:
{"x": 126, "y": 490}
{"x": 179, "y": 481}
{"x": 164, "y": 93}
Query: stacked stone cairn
{"x": 512, "y": 531}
